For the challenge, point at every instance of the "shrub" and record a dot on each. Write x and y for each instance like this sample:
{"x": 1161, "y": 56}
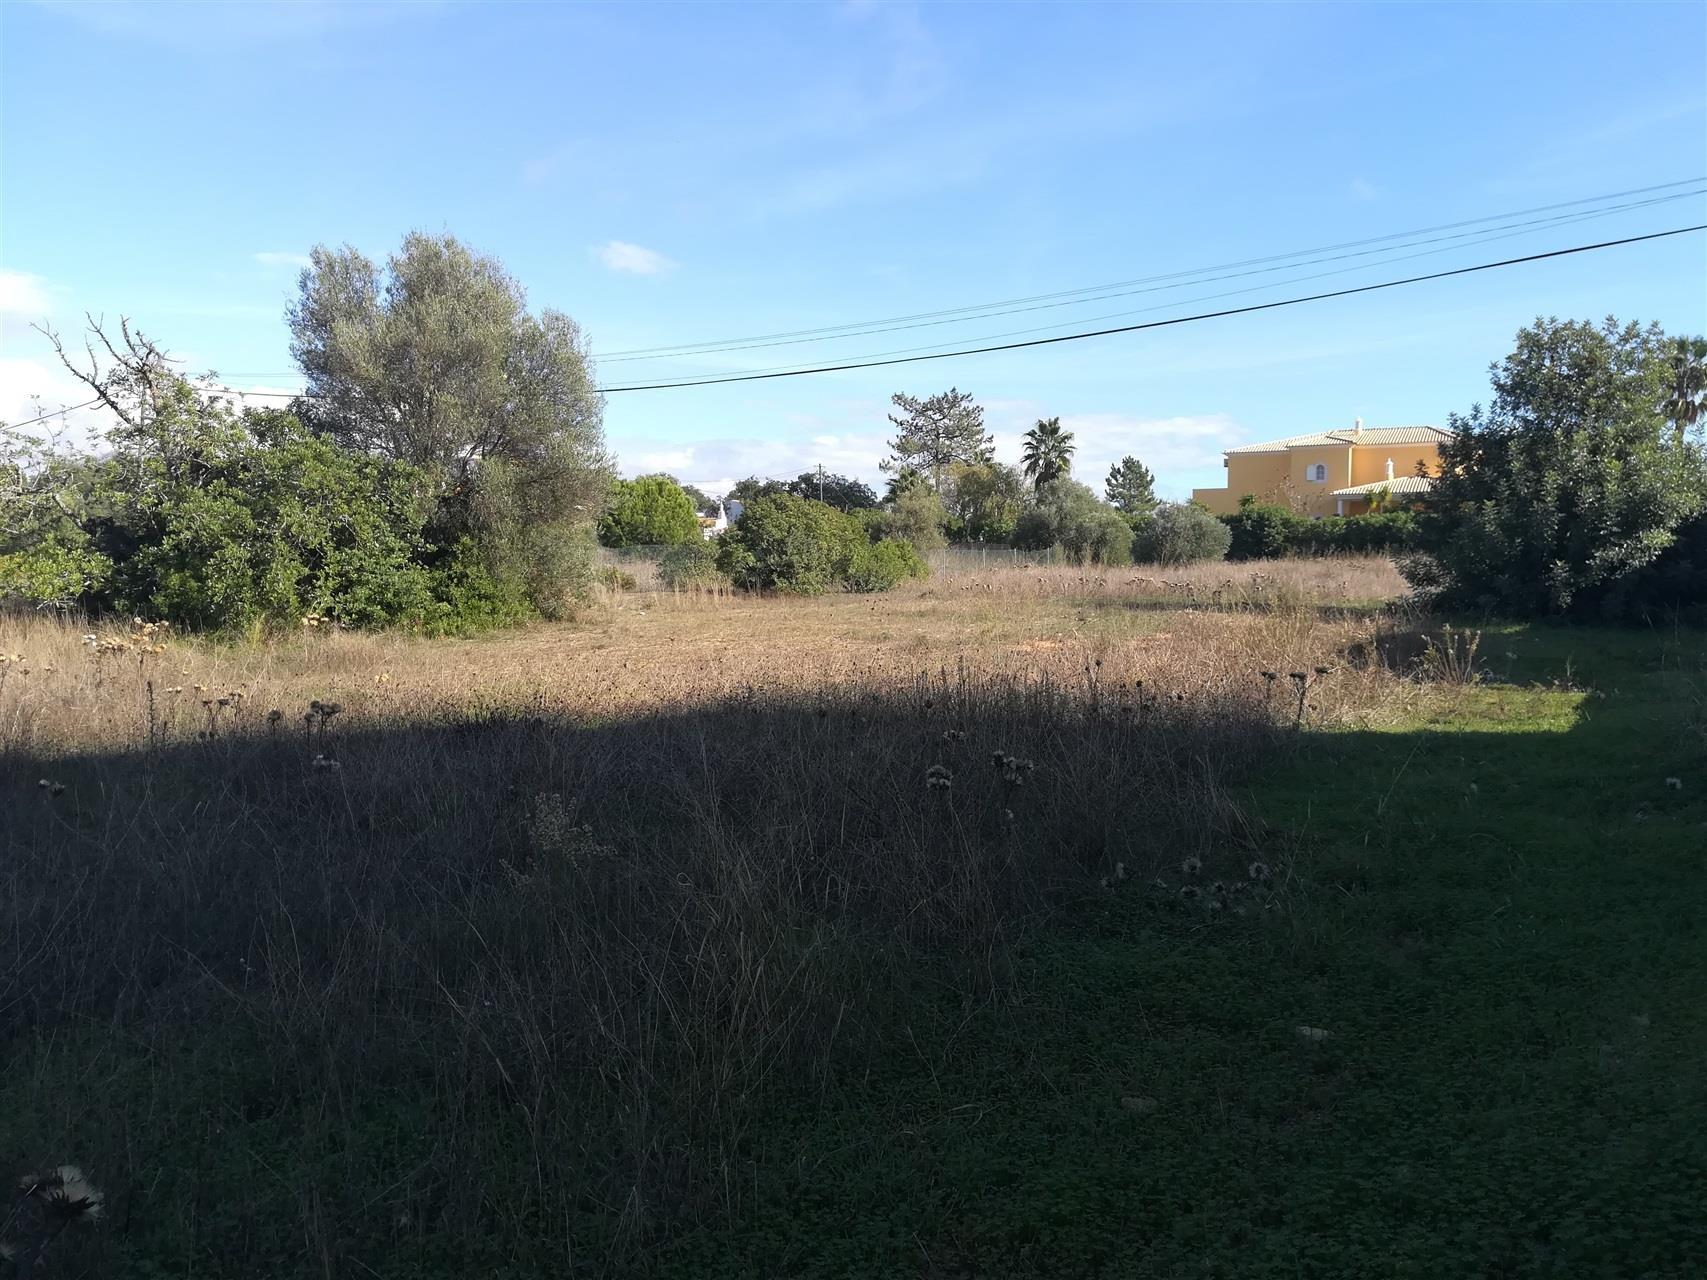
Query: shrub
{"x": 1389, "y": 531}
{"x": 881, "y": 565}
{"x": 52, "y": 573}
{"x": 1262, "y": 531}
{"x": 692, "y": 564}
{"x": 790, "y": 544}
{"x": 264, "y": 524}
{"x": 1180, "y": 533}
{"x": 794, "y": 545}
{"x": 469, "y": 597}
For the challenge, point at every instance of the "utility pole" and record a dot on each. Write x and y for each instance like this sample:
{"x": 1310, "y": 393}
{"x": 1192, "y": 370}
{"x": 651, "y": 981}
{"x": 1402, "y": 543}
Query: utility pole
{"x": 820, "y": 482}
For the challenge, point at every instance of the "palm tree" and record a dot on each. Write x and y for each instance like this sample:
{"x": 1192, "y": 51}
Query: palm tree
{"x": 1686, "y": 398}
{"x": 1048, "y": 452}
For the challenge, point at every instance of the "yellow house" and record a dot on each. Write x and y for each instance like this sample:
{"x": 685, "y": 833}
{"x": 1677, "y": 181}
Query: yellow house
{"x": 1330, "y": 473}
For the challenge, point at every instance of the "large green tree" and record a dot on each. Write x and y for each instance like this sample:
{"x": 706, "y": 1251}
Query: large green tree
{"x": 1569, "y": 484}
{"x": 844, "y": 493}
{"x": 1131, "y": 487}
{"x": 1068, "y": 515}
{"x": 984, "y": 501}
{"x": 435, "y": 360}
{"x": 934, "y": 433}
{"x": 649, "y": 511}
{"x": 1048, "y": 452}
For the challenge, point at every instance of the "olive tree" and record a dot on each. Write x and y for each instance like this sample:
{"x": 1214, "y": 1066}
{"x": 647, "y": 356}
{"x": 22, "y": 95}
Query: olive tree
{"x": 435, "y": 360}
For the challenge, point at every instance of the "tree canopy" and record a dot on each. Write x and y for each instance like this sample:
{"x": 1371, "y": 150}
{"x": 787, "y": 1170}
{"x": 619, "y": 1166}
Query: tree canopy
{"x": 984, "y": 501}
{"x": 1570, "y": 483}
{"x": 1131, "y": 487}
{"x": 435, "y": 361}
{"x": 844, "y": 493}
{"x": 934, "y": 433}
{"x": 649, "y": 511}
{"x": 1048, "y": 452}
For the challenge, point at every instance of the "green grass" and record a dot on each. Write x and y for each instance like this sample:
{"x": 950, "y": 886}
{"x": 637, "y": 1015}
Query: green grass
{"x": 1496, "y": 911}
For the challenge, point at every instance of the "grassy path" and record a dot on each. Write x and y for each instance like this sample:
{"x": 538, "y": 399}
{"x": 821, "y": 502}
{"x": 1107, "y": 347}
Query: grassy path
{"x": 1497, "y": 914}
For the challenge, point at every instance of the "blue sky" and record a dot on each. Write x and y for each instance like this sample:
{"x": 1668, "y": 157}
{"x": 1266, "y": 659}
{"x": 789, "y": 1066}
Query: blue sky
{"x": 670, "y": 174}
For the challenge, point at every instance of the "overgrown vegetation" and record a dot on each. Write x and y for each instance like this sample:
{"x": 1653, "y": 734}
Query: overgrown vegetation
{"x": 1581, "y": 489}
{"x": 442, "y": 471}
{"x": 796, "y": 546}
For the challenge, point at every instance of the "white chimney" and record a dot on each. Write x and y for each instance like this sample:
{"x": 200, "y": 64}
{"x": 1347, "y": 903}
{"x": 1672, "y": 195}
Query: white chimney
{"x": 1389, "y": 468}
{"x": 1357, "y": 427}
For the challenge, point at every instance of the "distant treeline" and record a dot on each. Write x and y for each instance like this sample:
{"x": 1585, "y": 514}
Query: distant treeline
{"x": 445, "y": 469}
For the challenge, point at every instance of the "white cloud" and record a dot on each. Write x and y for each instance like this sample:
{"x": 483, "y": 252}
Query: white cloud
{"x": 715, "y": 465}
{"x": 619, "y": 255}
{"x": 1178, "y": 449}
{"x": 671, "y": 460}
{"x": 22, "y": 294}
{"x": 273, "y": 258}
{"x": 1364, "y": 189}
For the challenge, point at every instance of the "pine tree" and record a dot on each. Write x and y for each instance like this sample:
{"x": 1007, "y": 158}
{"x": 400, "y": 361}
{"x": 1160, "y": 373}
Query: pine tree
{"x": 934, "y": 433}
{"x": 1131, "y": 487}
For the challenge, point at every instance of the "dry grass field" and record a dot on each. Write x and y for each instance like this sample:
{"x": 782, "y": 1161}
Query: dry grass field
{"x": 587, "y": 896}
{"x": 717, "y": 935}
{"x": 1182, "y": 630}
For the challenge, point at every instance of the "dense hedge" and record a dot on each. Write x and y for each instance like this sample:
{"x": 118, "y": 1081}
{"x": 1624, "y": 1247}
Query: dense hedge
{"x": 1264, "y": 532}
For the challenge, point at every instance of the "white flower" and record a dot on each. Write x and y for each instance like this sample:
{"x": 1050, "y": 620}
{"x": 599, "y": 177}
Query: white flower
{"x": 1315, "y": 1034}
{"x": 1676, "y": 784}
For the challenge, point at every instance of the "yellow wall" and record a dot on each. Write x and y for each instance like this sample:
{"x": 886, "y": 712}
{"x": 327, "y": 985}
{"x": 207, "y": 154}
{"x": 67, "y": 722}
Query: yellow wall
{"x": 1369, "y": 461}
{"x": 1263, "y": 474}
{"x": 1312, "y": 496}
{"x": 1281, "y": 477}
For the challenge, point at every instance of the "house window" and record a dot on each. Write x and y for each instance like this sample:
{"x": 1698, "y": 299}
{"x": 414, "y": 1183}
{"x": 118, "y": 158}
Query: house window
{"x": 1317, "y": 472}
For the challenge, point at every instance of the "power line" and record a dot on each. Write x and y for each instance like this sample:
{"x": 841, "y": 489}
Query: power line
{"x": 56, "y": 413}
{"x": 1483, "y": 237}
{"x": 1067, "y": 337}
{"x": 684, "y": 348}
{"x": 1160, "y": 324}
{"x": 1180, "y": 279}
{"x": 1480, "y": 236}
